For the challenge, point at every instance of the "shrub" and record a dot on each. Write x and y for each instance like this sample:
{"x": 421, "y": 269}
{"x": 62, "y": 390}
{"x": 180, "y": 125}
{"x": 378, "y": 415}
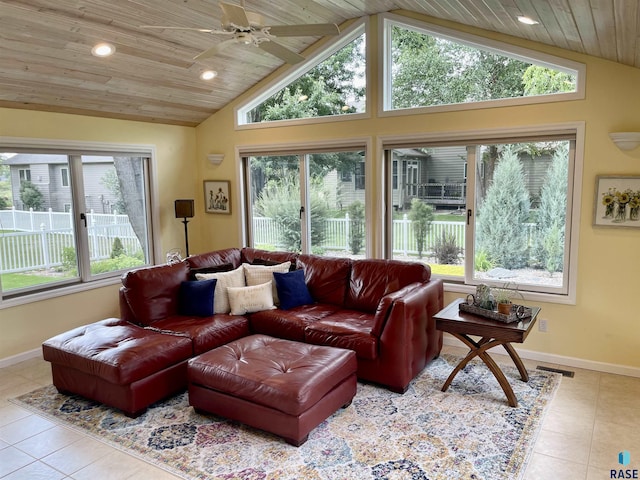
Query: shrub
{"x": 69, "y": 261}
{"x": 122, "y": 262}
{"x": 356, "y": 227}
{"x": 117, "y": 249}
{"x": 421, "y": 216}
{"x": 482, "y": 262}
{"x": 447, "y": 250}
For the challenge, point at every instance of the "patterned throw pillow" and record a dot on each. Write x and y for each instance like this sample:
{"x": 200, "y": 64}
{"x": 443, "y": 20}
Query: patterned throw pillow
{"x": 250, "y": 299}
{"x": 234, "y": 278}
{"x": 257, "y": 274}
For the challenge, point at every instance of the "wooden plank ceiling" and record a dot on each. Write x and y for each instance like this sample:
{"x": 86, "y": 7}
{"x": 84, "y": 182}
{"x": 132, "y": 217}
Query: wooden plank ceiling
{"x": 45, "y": 60}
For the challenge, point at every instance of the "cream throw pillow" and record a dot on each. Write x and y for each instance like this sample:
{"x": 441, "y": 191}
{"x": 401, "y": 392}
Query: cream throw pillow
{"x": 257, "y": 274}
{"x": 250, "y": 299}
{"x": 234, "y": 278}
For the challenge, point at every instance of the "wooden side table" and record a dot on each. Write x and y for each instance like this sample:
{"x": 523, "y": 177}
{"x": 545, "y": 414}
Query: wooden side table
{"x": 463, "y": 326}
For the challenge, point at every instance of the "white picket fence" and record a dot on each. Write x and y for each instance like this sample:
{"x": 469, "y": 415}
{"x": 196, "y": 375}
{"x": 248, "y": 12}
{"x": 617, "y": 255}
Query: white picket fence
{"x": 38, "y": 239}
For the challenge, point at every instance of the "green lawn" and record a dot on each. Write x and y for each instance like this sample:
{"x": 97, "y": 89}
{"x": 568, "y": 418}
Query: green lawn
{"x": 12, "y": 281}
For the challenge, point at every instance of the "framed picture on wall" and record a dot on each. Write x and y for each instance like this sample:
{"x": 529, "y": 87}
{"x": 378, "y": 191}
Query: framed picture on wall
{"x": 617, "y": 202}
{"x": 217, "y": 196}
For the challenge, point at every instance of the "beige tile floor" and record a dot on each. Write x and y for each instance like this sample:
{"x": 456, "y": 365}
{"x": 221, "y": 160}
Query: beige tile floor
{"x": 592, "y": 417}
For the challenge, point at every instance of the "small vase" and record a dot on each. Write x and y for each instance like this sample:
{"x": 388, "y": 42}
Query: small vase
{"x": 621, "y": 212}
{"x": 634, "y": 213}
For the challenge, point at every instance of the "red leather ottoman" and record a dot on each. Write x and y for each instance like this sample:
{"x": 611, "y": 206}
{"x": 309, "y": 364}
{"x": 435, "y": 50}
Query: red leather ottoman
{"x": 281, "y": 386}
{"x": 118, "y": 364}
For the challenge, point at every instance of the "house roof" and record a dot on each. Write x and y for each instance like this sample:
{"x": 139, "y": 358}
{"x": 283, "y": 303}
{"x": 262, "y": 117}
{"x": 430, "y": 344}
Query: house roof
{"x": 45, "y": 60}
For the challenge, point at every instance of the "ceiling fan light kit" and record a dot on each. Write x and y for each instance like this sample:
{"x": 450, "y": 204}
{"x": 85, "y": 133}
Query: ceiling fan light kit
{"x": 248, "y": 28}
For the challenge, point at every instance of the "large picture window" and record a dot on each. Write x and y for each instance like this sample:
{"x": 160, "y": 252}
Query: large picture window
{"x": 510, "y": 222}
{"x": 77, "y": 218}
{"x": 311, "y": 202}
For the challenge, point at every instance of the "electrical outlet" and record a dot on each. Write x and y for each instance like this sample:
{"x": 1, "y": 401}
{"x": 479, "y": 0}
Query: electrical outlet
{"x": 542, "y": 325}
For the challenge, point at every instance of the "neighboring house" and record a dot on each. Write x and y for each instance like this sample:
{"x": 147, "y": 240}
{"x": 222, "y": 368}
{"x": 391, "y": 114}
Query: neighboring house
{"x": 51, "y": 175}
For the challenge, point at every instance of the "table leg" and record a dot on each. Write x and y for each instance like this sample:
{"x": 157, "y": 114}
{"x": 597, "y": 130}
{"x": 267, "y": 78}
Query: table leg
{"x": 480, "y": 349}
{"x": 517, "y": 361}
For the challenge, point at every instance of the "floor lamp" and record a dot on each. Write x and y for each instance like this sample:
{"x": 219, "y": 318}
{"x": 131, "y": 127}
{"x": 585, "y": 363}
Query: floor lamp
{"x": 184, "y": 210}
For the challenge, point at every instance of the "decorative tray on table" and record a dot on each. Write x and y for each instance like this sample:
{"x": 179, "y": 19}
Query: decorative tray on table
{"x": 517, "y": 313}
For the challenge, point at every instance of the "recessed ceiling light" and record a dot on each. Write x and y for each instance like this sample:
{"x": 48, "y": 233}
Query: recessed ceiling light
{"x": 527, "y": 20}
{"x": 208, "y": 75}
{"x": 103, "y": 50}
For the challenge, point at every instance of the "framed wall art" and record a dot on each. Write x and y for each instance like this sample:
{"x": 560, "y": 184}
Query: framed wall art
{"x": 617, "y": 201}
{"x": 217, "y": 196}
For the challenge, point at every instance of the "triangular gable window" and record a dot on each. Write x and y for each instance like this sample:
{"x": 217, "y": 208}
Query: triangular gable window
{"x": 330, "y": 84}
{"x": 428, "y": 66}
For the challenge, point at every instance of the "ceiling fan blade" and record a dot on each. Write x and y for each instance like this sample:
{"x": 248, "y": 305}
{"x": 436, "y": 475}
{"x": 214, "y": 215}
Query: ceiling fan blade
{"x": 213, "y": 51}
{"x": 235, "y": 14}
{"x": 281, "y": 52}
{"x": 312, "y": 30}
{"x": 161, "y": 27}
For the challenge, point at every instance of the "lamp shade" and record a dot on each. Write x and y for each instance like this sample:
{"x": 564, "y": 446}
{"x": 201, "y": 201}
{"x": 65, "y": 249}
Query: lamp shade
{"x": 184, "y": 208}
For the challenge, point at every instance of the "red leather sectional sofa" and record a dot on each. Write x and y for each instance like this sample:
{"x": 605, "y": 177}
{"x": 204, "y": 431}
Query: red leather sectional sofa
{"x": 381, "y": 309}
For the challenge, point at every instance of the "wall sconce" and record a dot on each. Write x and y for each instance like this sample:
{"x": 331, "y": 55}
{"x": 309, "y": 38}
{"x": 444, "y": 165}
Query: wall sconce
{"x": 626, "y": 140}
{"x": 215, "y": 158}
{"x": 184, "y": 209}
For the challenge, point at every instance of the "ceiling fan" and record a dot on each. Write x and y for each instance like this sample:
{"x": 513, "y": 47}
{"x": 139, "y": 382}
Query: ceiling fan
{"x": 248, "y": 28}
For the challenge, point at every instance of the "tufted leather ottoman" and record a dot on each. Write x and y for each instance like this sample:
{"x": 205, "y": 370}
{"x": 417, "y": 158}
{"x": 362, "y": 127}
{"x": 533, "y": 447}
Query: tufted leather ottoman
{"x": 118, "y": 364}
{"x": 284, "y": 387}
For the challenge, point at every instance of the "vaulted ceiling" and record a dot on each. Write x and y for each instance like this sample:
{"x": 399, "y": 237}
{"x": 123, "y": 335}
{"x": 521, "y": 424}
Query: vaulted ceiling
{"x": 46, "y": 64}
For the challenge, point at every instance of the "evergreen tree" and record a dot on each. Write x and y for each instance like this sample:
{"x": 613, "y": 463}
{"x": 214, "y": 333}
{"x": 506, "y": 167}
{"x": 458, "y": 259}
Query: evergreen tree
{"x": 550, "y": 230}
{"x": 501, "y": 232}
{"x": 421, "y": 216}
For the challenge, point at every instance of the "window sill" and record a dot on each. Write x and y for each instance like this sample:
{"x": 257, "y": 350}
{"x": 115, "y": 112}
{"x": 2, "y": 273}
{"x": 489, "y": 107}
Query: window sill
{"x": 535, "y": 297}
{"x": 58, "y": 292}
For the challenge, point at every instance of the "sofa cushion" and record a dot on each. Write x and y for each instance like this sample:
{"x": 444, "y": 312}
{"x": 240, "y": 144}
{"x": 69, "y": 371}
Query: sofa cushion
{"x": 292, "y": 289}
{"x": 152, "y": 292}
{"x": 234, "y": 278}
{"x": 225, "y": 267}
{"x": 348, "y": 329}
{"x": 257, "y": 274}
{"x": 205, "y": 333}
{"x": 196, "y": 298}
{"x": 256, "y": 256}
{"x": 289, "y": 324}
{"x": 211, "y": 259}
{"x": 116, "y": 351}
{"x": 243, "y": 300}
{"x": 327, "y": 278}
{"x": 370, "y": 280}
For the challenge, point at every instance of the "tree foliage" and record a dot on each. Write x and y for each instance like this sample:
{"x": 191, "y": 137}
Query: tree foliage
{"x": 280, "y": 200}
{"x": 548, "y": 250}
{"x": 505, "y": 210}
{"x": 356, "y": 220}
{"x": 30, "y": 196}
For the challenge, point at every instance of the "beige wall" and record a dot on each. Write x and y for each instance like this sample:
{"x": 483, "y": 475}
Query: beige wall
{"x": 25, "y": 327}
{"x": 603, "y": 326}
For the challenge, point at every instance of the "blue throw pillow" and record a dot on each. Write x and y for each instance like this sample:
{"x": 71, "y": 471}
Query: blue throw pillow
{"x": 292, "y": 289}
{"x": 196, "y": 298}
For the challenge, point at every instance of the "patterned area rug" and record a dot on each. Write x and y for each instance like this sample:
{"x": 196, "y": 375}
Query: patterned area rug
{"x": 468, "y": 432}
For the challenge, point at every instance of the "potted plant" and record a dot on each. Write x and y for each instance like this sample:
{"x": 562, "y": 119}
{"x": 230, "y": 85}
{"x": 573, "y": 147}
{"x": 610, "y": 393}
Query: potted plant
{"x": 503, "y": 297}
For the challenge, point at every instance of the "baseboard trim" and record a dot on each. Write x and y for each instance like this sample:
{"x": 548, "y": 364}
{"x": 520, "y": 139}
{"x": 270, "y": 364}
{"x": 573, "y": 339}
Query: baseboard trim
{"x": 559, "y": 359}
{"x": 21, "y": 357}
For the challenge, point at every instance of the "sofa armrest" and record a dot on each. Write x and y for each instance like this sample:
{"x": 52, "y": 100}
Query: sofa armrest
{"x": 409, "y": 338}
{"x": 384, "y": 307}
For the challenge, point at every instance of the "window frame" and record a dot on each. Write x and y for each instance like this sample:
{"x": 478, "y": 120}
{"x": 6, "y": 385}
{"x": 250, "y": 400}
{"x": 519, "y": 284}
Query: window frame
{"x": 70, "y": 147}
{"x": 303, "y": 148}
{"x": 327, "y": 49}
{"x": 388, "y": 20}
{"x": 514, "y": 134}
